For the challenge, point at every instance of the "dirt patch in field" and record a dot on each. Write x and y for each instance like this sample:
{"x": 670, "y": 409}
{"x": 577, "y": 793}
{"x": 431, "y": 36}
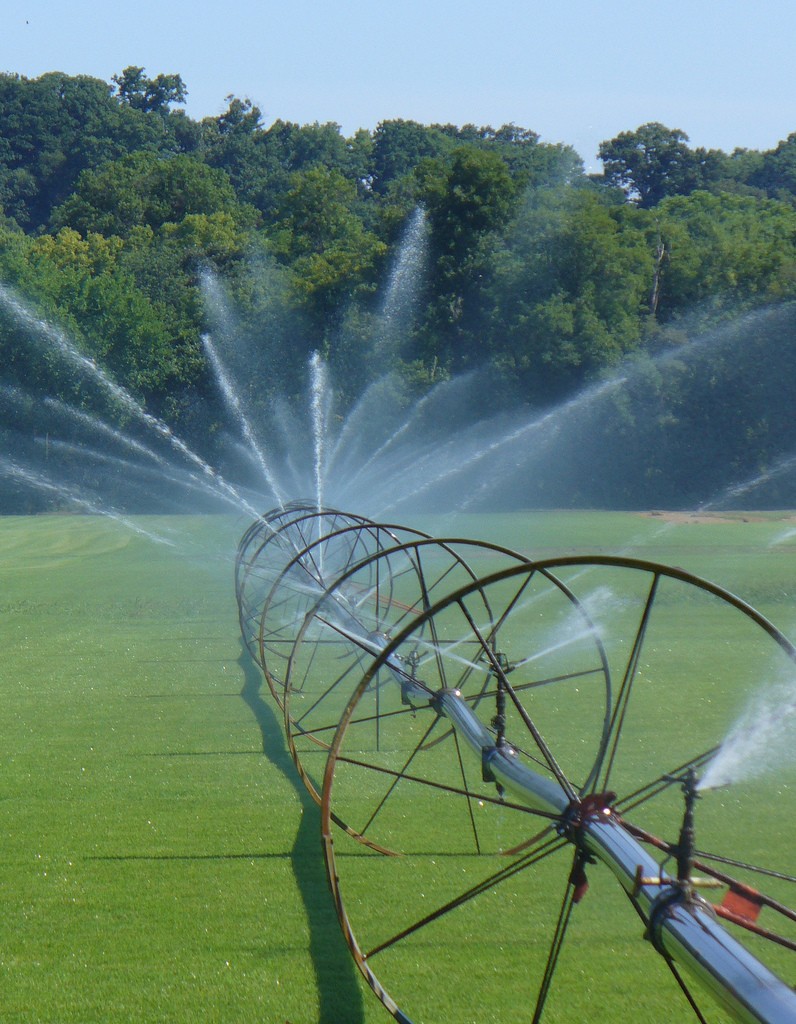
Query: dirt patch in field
{"x": 721, "y": 517}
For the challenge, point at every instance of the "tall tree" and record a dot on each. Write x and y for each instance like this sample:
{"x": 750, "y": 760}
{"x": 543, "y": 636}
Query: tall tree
{"x": 654, "y": 161}
{"x": 146, "y": 189}
{"x": 54, "y": 127}
{"x": 570, "y": 291}
{"x": 469, "y": 198}
{"x": 320, "y": 235}
{"x": 530, "y": 162}
{"x": 260, "y": 160}
{"x": 152, "y": 95}
{"x": 398, "y": 148}
{"x": 776, "y": 173}
{"x": 725, "y": 253}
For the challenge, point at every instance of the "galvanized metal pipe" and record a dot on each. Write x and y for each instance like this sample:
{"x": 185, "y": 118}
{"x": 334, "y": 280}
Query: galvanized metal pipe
{"x": 682, "y": 926}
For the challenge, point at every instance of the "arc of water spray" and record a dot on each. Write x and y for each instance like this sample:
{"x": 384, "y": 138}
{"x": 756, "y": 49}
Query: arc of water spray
{"x": 236, "y": 406}
{"x": 119, "y": 394}
{"x": 10, "y": 468}
{"x": 318, "y": 392}
{"x": 782, "y": 465}
{"x": 415, "y": 412}
{"x": 406, "y": 273}
{"x": 163, "y": 472}
{"x": 760, "y": 740}
{"x": 352, "y": 426}
{"x": 165, "y": 469}
{"x": 515, "y": 435}
{"x": 99, "y": 426}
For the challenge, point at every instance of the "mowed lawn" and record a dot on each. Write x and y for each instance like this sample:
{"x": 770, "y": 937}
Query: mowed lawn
{"x": 159, "y": 858}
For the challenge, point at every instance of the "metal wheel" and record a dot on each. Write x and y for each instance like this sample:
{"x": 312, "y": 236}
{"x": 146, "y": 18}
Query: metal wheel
{"x": 483, "y": 915}
{"x": 315, "y": 571}
{"x": 354, "y": 620}
{"x": 283, "y": 537}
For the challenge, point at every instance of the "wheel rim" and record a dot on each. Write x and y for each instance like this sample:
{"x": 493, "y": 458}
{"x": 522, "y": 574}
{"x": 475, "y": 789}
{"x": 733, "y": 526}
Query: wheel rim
{"x": 389, "y": 588}
{"x": 647, "y": 608}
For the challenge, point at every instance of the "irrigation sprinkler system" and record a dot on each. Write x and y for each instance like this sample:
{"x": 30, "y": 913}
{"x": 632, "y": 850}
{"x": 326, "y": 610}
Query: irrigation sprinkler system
{"x": 480, "y": 728}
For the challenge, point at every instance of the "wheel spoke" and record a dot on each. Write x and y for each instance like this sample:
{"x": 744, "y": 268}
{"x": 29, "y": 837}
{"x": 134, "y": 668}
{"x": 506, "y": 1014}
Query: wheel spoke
{"x": 559, "y": 933}
{"x": 623, "y": 698}
{"x": 551, "y": 846}
{"x": 456, "y": 790}
{"x": 663, "y": 782}
{"x": 500, "y": 673}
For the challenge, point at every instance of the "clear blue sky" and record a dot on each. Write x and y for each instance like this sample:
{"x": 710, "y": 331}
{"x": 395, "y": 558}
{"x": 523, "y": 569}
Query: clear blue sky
{"x": 575, "y": 71}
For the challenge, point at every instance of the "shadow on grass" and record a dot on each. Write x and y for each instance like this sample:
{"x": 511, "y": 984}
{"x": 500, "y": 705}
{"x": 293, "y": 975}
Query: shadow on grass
{"x": 339, "y": 994}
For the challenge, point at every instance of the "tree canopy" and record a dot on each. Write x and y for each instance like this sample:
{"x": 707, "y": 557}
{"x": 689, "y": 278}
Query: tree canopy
{"x": 114, "y": 204}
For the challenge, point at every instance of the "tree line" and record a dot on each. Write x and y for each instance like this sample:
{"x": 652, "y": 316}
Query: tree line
{"x": 114, "y": 204}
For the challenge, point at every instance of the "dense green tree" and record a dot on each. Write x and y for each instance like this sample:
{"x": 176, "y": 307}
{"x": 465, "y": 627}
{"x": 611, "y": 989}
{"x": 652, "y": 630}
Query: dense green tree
{"x": 260, "y": 160}
{"x": 120, "y": 326}
{"x": 54, "y": 127}
{"x": 314, "y": 145}
{"x": 776, "y": 171}
{"x": 545, "y": 165}
{"x": 725, "y": 253}
{"x": 319, "y": 235}
{"x": 146, "y": 189}
{"x": 134, "y": 305}
{"x": 469, "y": 198}
{"x": 80, "y": 287}
{"x": 157, "y": 96}
{"x": 654, "y": 161}
{"x": 398, "y": 148}
{"x": 738, "y": 172}
{"x": 570, "y": 291}
{"x": 530, "y": 162}
{"x": 149, "y": 94}
{"x": 19, "y": 365}
{"x": 235, "y": 143}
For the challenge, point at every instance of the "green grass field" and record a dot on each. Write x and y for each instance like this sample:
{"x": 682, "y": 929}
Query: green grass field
{"x": 159, "y": 858}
